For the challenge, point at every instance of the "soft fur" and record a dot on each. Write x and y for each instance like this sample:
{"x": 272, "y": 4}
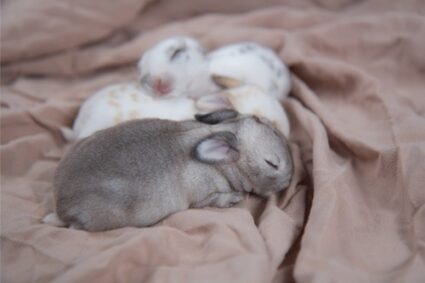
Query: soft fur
{"x": 118, "y": 103}
{"x": 175, "y": 71}
{"x": 251, "y": 64}
{"x": 139, "y": 172}
{"x": 176, "y": 66}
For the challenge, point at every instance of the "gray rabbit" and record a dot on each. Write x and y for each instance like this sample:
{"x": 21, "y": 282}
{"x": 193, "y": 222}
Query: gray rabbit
{"x": 139, "y": 172}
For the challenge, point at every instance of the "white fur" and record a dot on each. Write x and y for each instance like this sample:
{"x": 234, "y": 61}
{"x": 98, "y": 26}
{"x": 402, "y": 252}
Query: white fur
{"x": 248, "y": 63}
{"x": 188, "y": 72}
{"x": 252, "y": 64}
{"x": 190, "y": 76}
{"x": 53, "y": 219}
{"x": 122, "y": 102}
{"x": 252, "y": 100}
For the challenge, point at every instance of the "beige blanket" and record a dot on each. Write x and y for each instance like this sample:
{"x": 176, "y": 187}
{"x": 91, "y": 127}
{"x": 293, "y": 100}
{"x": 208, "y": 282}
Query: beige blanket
{"x": 355, "y": 209}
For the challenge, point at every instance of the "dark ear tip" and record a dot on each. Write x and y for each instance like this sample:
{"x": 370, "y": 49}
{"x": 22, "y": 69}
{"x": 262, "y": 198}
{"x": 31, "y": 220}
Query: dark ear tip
{"x": 198, "y": 117}
{"x": 216, "y": 116}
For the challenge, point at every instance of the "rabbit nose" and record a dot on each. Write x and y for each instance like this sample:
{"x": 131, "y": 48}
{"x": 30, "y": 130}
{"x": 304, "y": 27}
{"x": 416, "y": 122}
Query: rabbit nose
{"x": 161, "y": 86}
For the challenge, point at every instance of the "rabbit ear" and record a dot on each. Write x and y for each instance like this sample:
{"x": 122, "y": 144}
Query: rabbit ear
{"x": 217, "y": 116}
{"x": 226, "y": 82}
{"x": 218, "y": 148}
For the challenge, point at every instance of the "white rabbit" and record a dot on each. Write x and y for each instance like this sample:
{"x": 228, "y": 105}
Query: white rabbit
{"x": 249, "y": 100}
{"x": 251, "y": 64}
{"x": 176, "y": 66}
{"x": 175, "y": 70}
{"x": 122, "y": 102}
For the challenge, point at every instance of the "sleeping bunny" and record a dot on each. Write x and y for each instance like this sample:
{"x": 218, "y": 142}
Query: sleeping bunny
{"x": 139, "y": 172}
{"x": 171, "y": 73}
{"x": 176, "y": 66}
{"x": 123, "y": 102}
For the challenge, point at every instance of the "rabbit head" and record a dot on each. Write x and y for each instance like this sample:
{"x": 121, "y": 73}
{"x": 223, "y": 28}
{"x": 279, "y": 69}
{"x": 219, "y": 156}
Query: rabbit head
{"x": 254, "y": 151}
{"x": 173, "y": 67}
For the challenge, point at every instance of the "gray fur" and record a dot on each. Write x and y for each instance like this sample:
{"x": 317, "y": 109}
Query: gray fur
{"x": 139, "y": 172}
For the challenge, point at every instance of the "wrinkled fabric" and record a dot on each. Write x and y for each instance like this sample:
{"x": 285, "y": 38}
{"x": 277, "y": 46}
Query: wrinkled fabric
{"x": 354, "y": 211}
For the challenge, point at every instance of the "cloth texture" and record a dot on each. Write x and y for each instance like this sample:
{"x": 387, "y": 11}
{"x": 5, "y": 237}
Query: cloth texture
{"x": 354, "y": 211}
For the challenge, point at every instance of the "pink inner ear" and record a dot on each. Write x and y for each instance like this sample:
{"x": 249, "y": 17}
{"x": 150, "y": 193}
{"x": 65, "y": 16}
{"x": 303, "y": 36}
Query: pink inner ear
{"x": 216, "y": 150}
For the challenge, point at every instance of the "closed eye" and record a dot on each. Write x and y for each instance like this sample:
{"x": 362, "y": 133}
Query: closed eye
{"x": 271, "y": 164}
{"x": 176, "y": 53}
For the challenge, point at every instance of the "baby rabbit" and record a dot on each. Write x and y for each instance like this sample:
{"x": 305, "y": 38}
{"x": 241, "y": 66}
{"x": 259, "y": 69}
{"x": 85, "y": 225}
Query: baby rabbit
{"x": 176, "y": 66}
{"x": 172, "y": 68}
{"x": 177, "y": 69}
{"x": 251, "y": 64}
{"x": 139, "y": 172}
{"x": 122, "y": 102}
